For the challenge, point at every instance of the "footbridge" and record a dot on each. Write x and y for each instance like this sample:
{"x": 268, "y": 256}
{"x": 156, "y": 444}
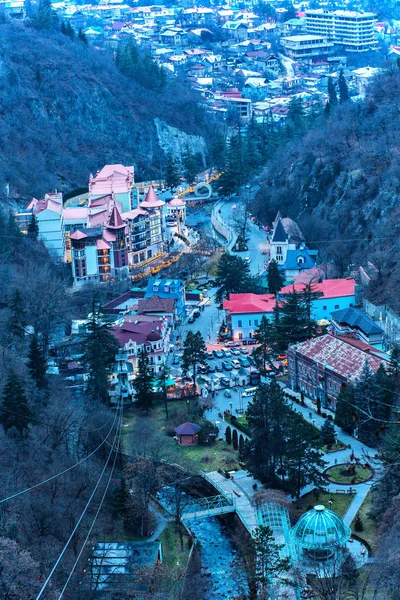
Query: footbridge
{"x": 209, "y": 507}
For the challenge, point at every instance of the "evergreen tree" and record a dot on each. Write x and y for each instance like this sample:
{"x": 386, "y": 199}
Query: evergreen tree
{"x": 233, "y": 276}
{"x": 190, "y": 166}
{"x": 265, "y": 337}
{"x": 15, "y": 409}
{"x": 394, "y": 365}
{"x": 235, "y": 441}
{"x": 333, "y": 99}
{"x": 144, "y": 383}
{"x": 358, "y": 524}
{"x": 33, "y": 228}
{"x": 37, "y": 364}
{"x": 345, "y": 412}
{"x": 228, "y": 435}
{"x": 295, "y": 116}
{"x": 194, "y": 354}
{"x": 274, "y": 277}
{"x": 343, "y": 89}
{"x": 82, "y": 36}
{"x": 172, "y": 175}
{"x": 46, "y": 17}
{"x": 328, "y": 433}
{"x": 365, "y": 397}
{"x": 294, "y": 323}
{"x": 17, "y": 321}
{"x": 100, "y": 347}
{"x": 271, "y": 568}
{"x": 70, "y": 31}
{"x": 218, "y": 152}
{"x": 241, "y": 446}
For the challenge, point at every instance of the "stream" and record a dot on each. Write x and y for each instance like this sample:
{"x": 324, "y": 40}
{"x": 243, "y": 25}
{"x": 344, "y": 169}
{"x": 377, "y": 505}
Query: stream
{"x": 221, "y": 567}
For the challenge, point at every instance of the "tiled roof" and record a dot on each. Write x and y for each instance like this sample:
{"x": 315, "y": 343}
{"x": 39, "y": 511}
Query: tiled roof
{"x": 187, "y": 429}
{"x": 250, "y": 303}
{"x": 156, "y": 304}
{"x": 354, "y": 317}
{"x": 344, "y": 359}
{"x": 115, "y": 221}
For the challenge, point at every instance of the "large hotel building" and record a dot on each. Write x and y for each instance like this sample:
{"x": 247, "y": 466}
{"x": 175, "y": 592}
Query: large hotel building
{"x": 353, "y": 31}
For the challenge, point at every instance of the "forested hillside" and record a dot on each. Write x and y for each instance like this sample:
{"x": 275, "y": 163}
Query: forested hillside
{"x": 341, "y": 181}
{"x": 66, "y": 110}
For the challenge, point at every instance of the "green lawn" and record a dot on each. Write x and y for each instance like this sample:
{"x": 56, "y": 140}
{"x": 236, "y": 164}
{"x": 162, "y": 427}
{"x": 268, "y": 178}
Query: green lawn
{"x": 212, "y": 457}
{"x": 336, "y": 475}
{"x": 369, "y": 533}
{"x": 340, "y": 504}
{"x": 171, "y": 548}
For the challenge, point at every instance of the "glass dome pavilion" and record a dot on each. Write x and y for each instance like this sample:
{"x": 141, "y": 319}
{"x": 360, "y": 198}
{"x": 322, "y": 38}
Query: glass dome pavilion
{"x": 319, "y": 532}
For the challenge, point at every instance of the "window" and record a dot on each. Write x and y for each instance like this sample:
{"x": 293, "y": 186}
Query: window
{"x": 255, "y": 322}
{"x": 240, "y": 335}
{"x": 336, "y": 306}
{"x": 240, "y": 323}
{"x": 324, "y": 307}
{"x": 249, "y": 322}
{"x": 279, "y": 250}
{"x": 148, "y": 253}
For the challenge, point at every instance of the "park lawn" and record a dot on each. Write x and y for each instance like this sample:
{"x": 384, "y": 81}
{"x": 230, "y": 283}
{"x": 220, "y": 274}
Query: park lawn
{"x": 335, "y": 475}
{"x": 369, "y": 533}
{"x": 341, "y": 502}
{"x": 212, "y": 457}
{"x": 173, "y": 556}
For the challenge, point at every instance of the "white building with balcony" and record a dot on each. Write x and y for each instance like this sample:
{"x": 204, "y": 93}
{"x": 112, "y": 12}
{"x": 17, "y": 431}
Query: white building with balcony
{"x": 351, "y": 30}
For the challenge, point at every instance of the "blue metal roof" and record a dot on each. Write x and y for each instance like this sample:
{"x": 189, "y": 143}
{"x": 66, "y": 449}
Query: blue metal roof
{"x": 320, "y": 529}
{"x": 292, "y": 258}
{"x": 354, "y": 317}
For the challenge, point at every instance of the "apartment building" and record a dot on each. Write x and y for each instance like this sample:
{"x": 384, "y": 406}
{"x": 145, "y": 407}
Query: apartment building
{"x": 300, "y": 47}
{"x": 353, "y": 31}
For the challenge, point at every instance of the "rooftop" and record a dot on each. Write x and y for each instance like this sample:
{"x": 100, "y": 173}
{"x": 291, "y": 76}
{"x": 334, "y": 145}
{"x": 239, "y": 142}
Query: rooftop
{"x": 329, "y": 288}
{"x": 354, "y": 317}
{"x": 320, "y": 529}
{"x": 250, "y": 303}
{"x": 343, "y": 358}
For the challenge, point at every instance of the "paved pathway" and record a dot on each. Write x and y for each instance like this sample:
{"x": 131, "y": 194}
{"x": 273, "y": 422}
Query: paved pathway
{"x": 161, "y": 523}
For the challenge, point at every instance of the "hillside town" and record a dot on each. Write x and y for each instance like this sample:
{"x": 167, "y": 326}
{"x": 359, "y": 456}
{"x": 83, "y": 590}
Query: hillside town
{"x": 200, "y": 372}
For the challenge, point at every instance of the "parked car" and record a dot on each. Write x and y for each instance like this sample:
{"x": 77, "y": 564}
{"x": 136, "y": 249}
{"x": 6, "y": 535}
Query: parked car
{"x": 210, "y": 369}
{"x": 243, "y": 361}
{"x": 218, "y": 368}
{"x": 228, "y": 394}
{"x": 176, "y": 360}
{"x": 202, "y": 369}
{"x": 225, "y": 381}
{"x": 196, "y": 313}
{"x": 218, "y": 354}
{"x": 244, "y": 350}
{"x": 235, "y": 364}
{"x": 226, "y": 365}
{"x": 191, "y": 319}
{"x": 232, "y": 344}
{"x": 226, "y": 352}
{"x": 247, "y": 259}
{"x": 210, "y": 355}
{"x": 236, "y": 352}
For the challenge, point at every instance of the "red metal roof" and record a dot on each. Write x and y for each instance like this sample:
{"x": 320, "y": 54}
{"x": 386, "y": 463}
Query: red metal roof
{"x": 187, "y": 429}
{"x": 250, "y": 303}
{"x": 329, "y": 288}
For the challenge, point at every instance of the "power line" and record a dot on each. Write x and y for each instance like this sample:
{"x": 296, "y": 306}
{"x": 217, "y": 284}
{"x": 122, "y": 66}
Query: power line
{"x": 93, "y": 522}
{"x": 32, "y": 487}
{"x": 82, "y": 514}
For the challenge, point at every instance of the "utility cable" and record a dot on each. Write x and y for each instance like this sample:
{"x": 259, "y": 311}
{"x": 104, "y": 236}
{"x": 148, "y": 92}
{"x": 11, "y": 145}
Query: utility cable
{"x": 33, "y": 487}
{"x": 81, "y": 517}
{"x": 92, "y": 524}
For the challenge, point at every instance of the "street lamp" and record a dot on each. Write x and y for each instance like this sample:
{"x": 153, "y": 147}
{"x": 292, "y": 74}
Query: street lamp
{"x": 330, "y": 503}
{"x": 336, "y": 436}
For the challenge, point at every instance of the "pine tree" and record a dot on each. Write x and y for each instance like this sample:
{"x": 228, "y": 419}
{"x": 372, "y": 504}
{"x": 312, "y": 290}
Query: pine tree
{"x": 33, "y": 228}
{"x": 271, "y": 568}
{"x": 328, "y": 433}
{"x": 144, "y": 394}
{"x": 233, "y": 276}
{"x": 82, "y": 36}
{"x": 100, "y": 347}
{"x": 15, "y": 411}
{"x": 218, "y": 152}
{"x": 333, "y": 99}
{"x": 46, "y": 17}
{"x": 235, "y": 440}
{"x": 17, "y": 321}
{"x": 172, "y": 175}
{"x": 70, "y": 31}
{"x": 241, "y": 447}
{"x": 358, "y": 524}
{"x": 265, "y": 337}
{"x": 194, "y": 354}
{"x": 345, "y": 412}
{"x": 228, "y": 435}
{"x": 343, "y": 89}
{"x": 37, "y": 364}
{"x": 294, "y": 323}
{"x": 274, "y": 277}
{"x": 190, "y": 165}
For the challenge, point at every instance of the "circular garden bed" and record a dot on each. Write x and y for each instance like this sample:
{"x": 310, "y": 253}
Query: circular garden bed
{"x": 350, "y": 473}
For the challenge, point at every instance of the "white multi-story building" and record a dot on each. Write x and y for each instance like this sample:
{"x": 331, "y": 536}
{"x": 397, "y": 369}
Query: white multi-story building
{"x": 353, "y": 31}
{"x": 300, "y": 47}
